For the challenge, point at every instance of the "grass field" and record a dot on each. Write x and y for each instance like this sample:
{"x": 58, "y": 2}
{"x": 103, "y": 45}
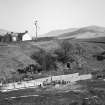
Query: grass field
{"x": 46, "y": 96}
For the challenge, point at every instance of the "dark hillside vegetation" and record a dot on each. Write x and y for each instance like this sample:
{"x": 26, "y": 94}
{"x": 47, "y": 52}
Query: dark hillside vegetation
{"x": 51, "y": 54}
{"x": 77, "y": 55}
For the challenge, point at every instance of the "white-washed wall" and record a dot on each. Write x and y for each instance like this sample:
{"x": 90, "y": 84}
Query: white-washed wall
{"x": 84, "y": 77}
{"x": 34, "y": 83}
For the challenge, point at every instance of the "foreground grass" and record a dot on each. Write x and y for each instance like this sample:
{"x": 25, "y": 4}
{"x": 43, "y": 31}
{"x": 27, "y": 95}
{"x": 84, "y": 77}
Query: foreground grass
{"x": 46, "y": 99}
{"x": 94, "y": 94}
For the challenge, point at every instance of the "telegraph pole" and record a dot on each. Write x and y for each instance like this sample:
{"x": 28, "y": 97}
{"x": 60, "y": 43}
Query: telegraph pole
{"x": 36, "y": 26}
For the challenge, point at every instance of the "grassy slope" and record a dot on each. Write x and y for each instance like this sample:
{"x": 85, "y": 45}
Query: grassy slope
{"x": 16, "y": 55}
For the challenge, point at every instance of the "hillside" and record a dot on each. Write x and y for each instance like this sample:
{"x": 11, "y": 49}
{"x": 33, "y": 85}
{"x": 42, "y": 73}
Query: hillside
{"x": 17, "y": 55}
{"x": 3, "y": 32}
{"x": 55, "y": 33}
{"x": 85, "y": 33}
{"x": 14, "y": 56}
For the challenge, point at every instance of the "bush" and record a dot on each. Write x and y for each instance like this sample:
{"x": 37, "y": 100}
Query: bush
{"x": 65, "y": 53}
{"x": 46, "y": 60}
{"x": 79, "y": 50}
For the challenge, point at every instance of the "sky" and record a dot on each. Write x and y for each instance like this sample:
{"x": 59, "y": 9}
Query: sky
{"x": 19, "y": 15}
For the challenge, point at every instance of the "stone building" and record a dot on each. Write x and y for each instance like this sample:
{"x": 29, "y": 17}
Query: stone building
{"x": 12, "y": 37}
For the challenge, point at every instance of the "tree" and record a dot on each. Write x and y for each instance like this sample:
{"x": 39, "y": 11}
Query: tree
{"x": 67, "y": 47}
{"x": 46, "y": 60}
{"x": 65, "y": 52}
{"x": 79, "y": 50}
